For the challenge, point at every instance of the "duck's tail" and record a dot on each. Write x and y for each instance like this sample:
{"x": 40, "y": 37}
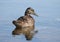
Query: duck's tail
{"x": 34, "y": 32}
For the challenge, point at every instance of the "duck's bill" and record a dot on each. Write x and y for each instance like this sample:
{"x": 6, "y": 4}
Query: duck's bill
{"x": 35, "y": 14}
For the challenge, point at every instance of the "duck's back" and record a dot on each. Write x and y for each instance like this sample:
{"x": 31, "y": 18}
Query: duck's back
{"x": 25, "y": 21}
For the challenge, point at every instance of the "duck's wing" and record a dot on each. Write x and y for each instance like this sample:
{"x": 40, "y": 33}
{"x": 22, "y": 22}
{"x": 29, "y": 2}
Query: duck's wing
{"x": 24, "y": 21}
{"x": 20, "y": 21}
{"x": 22, "y": 18}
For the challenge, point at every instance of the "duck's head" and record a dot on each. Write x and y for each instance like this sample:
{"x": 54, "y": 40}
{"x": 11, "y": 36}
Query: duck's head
{"x": 29, "y": 11}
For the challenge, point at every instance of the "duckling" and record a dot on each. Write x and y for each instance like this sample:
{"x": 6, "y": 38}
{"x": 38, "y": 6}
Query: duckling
{"x": 25, "y": 24}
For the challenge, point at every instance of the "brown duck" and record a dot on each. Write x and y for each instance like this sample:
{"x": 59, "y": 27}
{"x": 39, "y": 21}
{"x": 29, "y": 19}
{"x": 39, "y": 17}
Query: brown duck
{"x": 25, "y": 24}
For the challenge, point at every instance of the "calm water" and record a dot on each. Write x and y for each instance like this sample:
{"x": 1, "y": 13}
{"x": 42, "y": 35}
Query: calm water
{"x": 48, "y": 22}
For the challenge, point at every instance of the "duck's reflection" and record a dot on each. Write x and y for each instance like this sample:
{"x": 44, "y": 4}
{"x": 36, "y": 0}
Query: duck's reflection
{"x": 25, "y": 31}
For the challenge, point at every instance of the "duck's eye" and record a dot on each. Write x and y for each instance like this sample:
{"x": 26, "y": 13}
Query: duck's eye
{"x": 32, "y": 10}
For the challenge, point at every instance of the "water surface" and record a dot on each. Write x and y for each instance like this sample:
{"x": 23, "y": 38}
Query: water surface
{"x": 48, "y": 22}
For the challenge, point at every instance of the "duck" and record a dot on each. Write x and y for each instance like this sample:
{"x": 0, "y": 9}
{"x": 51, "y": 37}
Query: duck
{"x": 25, "y": 24}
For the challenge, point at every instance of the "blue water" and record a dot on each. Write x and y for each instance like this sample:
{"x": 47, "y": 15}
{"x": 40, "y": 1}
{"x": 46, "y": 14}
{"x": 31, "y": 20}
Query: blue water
{"x": 48, "y": 22}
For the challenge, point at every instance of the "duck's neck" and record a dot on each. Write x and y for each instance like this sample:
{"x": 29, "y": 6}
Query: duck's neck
{"x": 27, "y": 14}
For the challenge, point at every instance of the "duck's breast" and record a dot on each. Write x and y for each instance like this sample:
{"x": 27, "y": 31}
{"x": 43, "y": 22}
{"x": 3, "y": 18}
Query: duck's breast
{"x": 29, "y": 21}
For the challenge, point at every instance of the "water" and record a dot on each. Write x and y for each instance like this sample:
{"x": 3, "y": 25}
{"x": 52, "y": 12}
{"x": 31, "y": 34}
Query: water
{"x": 48, "y": 22}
